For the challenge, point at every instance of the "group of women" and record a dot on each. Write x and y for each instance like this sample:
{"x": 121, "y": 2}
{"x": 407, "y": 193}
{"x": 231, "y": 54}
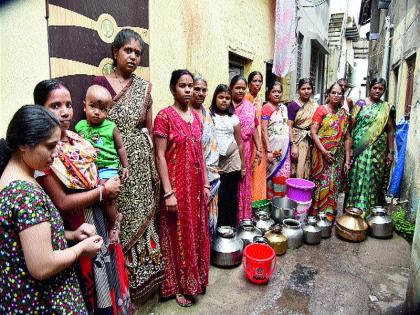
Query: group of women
{"x": 203, "y": 168}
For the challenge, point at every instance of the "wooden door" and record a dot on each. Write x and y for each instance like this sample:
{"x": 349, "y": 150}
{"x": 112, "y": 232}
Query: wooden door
{"x": 80, "y": 34}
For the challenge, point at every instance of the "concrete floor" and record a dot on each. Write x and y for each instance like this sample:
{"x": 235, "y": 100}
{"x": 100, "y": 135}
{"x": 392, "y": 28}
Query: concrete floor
{"x": 335, "y": 277}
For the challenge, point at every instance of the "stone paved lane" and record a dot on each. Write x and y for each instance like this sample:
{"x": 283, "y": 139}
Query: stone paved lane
{"x": 335, "y": 277}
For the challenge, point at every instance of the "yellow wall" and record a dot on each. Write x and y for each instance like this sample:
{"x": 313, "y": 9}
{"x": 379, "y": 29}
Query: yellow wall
{"x": 23, "y": 55}
{"x": 198, "y": 35}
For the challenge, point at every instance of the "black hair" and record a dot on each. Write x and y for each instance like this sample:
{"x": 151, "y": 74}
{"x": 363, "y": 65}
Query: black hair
{"x": 213, "y": 107}
{"x": 123, "y": 37}
{"x": 343, "y": 79}
{"x": 176, "y": 74}
{"x": 334, "y": 84}
{"x": 375, "y": 81}
{"x": 235, "y": 79}
{"x": 305, "y": 81}
{"x": 44, "y": 88}
{"x": 272, "y": 84}
{"x": 30, "y": 125}
{"x": 253, "y": 74}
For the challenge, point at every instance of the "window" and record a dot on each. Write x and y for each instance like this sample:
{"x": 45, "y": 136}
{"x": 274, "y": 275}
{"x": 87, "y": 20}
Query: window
{"x": 411, "y": 65}
{"x": 270, "y": 77}
{"x": 236, "y": 65}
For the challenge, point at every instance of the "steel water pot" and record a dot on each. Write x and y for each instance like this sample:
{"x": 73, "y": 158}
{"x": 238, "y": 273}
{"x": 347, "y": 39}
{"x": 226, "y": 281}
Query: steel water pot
{"x": 276, "y": 239}
{"x": 324, "y": 225}
{"x": 263, "y": 222}
{"x": 282, "y": 208}
{"x": 311, "y": 232}
{"x": 380, "y": 223}
{"x": 294, "y": 233}
{"x": 247, "y": 231}
{"x": 226, "y": 250}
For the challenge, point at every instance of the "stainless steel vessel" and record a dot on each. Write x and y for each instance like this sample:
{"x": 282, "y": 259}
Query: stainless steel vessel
{"x": 293, "y": 231}
{"x": 311, "y": 232}
{"x": 263, "y": 222}
{"x": 282, "y": 208}
{"x": 226, "y": 250}
{"x": 325, "y": 225}
{"x": 247, "y": 231}
{"x": 380, "y": 223}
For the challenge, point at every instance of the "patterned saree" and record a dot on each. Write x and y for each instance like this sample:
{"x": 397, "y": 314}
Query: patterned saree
{"x": 369, "y": 154}
{"x": 328, "y": 177}
{"x": 103, "y": 279}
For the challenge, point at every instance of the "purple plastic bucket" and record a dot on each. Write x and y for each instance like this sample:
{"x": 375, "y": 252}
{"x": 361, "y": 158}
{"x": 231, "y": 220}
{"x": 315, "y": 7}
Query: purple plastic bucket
{"x": 299, "y": 189}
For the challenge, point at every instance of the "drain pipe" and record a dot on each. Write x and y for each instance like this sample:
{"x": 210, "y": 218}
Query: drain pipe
{"x": 387, "y": 47}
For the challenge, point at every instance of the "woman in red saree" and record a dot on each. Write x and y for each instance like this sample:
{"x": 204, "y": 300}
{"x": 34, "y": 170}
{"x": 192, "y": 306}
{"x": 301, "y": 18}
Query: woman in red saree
{"x": 246, "y": 114}
{"x": 71, "y": 183}
{"x": 184, "y": 233}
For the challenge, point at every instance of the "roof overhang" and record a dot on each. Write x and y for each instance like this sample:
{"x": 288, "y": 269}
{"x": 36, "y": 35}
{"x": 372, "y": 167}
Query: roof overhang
{"x": 317, "y": 40}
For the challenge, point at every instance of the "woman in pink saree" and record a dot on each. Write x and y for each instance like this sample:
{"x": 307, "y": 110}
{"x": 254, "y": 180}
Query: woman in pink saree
{"x": 246, "y": 114}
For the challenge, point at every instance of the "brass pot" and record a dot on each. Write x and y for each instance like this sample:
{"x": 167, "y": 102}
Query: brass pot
{"x": 276, "y": 239}
{"x": 351, "y": 225}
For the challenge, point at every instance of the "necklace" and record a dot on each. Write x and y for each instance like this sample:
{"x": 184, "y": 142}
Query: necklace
{"x": 303, "y": 103}
{"x": 186, "y": 116}
{"x": 122, "y": 83}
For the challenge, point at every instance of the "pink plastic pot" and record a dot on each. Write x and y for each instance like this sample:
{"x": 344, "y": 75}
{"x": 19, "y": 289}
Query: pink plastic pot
{"x": 299, "y": 189}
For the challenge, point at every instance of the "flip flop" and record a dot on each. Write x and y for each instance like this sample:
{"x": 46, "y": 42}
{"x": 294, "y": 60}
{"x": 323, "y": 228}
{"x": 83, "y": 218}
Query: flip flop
{"x": 183, "y": 301}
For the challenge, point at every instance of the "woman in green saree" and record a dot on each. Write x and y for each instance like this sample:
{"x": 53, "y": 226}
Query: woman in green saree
{"x": 373, "y": 148}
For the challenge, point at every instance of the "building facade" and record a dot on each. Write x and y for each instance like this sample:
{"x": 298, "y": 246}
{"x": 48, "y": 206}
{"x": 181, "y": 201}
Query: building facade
{"x": 394, "y": 54}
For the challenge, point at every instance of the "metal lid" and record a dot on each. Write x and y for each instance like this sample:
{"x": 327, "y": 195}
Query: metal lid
{"x": 226, "y": 231}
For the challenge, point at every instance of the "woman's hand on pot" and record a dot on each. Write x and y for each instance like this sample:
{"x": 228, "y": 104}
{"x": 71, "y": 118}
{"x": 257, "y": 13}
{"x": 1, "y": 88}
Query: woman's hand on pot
{"x": 84, "y": 231}
{"x": 91, "y": 246}
{"x": 113, "y": 186}
{"x": 171, "y": 203}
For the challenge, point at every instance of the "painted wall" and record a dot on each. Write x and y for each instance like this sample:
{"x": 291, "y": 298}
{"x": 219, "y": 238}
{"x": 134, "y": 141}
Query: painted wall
{"x": 198, "y": 35}
{"x": 23, "y": 55}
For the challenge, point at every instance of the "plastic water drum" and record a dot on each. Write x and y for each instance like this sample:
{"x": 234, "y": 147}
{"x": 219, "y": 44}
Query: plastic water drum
{"x": 299, "y": 189}
{"x": 302, "y": 210}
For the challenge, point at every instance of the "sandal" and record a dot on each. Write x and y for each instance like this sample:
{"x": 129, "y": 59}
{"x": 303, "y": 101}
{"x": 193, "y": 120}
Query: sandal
{"x": 183, "y": 301}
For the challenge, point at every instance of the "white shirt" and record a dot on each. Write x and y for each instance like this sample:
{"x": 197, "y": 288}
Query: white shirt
{"x": 224, "y": 131}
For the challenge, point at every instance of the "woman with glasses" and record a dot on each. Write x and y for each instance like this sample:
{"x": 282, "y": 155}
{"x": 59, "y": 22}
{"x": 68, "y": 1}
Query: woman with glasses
{"x": 331, "y": 152}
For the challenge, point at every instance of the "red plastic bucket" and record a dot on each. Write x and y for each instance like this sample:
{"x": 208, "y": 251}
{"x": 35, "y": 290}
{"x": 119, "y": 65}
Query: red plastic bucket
{"x": 259, "y": 261}
{"x": 299, "y": 189}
